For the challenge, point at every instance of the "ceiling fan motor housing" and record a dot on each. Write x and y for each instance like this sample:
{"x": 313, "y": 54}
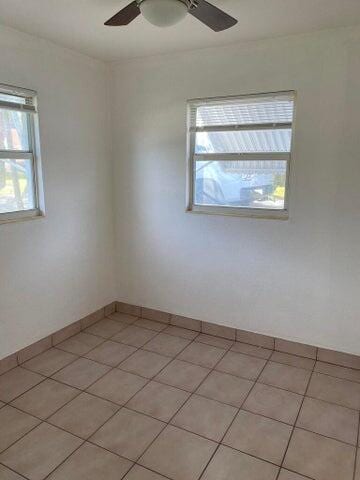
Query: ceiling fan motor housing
{"x": 164, "y": 13}
{"x": 189, "y": 3}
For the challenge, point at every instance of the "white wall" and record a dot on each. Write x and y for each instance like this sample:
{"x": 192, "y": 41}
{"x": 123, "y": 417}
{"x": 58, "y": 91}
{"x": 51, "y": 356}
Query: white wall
{"x": 56, "y": 270}
{"x": 296, "y": 279}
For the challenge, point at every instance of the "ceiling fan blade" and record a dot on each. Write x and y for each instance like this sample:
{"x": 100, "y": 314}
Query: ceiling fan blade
{"x": 125, "y": 16}
{"x": 212, "y": 16}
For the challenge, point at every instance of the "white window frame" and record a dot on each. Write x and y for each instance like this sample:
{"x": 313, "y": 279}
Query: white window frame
{"x": 33, "y": 153}
{"x": 192, "y": 129}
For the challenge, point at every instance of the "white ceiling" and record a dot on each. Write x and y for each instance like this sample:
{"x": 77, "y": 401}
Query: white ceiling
{"x": 78, "y": 24}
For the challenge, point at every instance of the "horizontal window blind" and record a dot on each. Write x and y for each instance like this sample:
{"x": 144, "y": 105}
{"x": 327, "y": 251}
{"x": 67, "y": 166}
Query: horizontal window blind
{"x": 240, "y": 151}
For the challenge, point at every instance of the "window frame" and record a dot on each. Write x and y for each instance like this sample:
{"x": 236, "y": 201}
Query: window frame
{"x": 267, "y": 213}
{"x": 33, "y": 153}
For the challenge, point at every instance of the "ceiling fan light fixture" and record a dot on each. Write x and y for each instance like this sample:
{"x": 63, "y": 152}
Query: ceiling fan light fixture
{"x": 163, "y": 13}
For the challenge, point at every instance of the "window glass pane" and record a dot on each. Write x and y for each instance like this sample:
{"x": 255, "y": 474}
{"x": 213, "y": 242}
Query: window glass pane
{"x": 13, "y": 130}
{"x": 240, "y": 112}
{"x": 12, "y": 98}
{"x": 244, "y": 141}
{"x": 16, "y": 185}
{"x": 247, "y": 184}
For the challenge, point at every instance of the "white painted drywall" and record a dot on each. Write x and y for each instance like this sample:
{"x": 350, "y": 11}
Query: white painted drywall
{"x": 296, "y": 279}
{"x": 58, "y": 269}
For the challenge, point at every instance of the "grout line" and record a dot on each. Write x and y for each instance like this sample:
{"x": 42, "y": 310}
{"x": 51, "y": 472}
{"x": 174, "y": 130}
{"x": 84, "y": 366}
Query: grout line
{"x": 45, "y": 421}
{"x": 296, "y": 420}
{"x": 153, "y": 379}
{"x": 233, "y": 420}
{"x": 171, "y": 359}
{"x": 12, "y": 470}
{"x": 357, "y": 452}
{"x": 108, "y": 420}
{"x": 189, "y": 397}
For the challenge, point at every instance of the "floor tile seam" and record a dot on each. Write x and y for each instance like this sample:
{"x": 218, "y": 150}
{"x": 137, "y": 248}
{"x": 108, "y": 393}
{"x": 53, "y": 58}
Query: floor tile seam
{"x": 296, "y": 420}
{"x": 169, "y": 422}
{"x": 80, "y": 391}
{"x": 125, "y": 406}
{"x": 14, "y": 471}
{"x": 45, "y": 421}
{"x": 191, "y": 394}
{"x": 232, "y": 422}
{"x": 333, "y": 376}
{"x": 357, "y": 452}
{"x": 290, "y": 366}
{"x": 297, "y": 426}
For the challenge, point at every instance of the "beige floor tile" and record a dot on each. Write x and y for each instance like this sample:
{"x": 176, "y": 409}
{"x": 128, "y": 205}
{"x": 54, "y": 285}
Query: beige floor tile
{"x": 357, "y": 473}
{"x": 336, "y": 371}
{"x": 330, "y": 420}
{"x": 80, "y": 344}
{"x": 274, "y": 403}
{"x": 117, "y": 386}
{"x": 145, "y": 364}
{"x": 44, "y": 399}
{"x": 205, "y": 417}
{"x": 106, "y": 328}
{"x": 241, "y": 365}
{"x": 83, "y": 415}
{"x": 49, "y": 362}
{"x": 214, "y": 341}
{"x": 6, "y": 474}
{"x": 110, "y": 353}
{"x": 158, "y": 400}
{"x": 202, "y": 354}
{"x": 134, "y": 336}
{"x": 259, "y": 436}
{"x": 141, "y": 473}
{"x": 17, "y": 381}
{"x": 13, "y": 425}
{"x": 178, "y": 455}
{"x": 180, "y": 332}
{"x": 167, "y": 345}
{"x": 335, "y": 390}
{"x": 40, "y": 451}
{"x": 182, "y": 375}
{"x": 229, "y": 464}
{"x": 319, "y": 457}
{"x": 150, "y": 324}
{"x": 90, "y": 462}
{"x": 128, "y": 433}
{"x": 283, "y": 376}
{"x": 293, "y": 360}
{"x": 225, "y": 388}
{"x": 81, "y": 373}
{"x": 286, "y": 475}
{"x": 254, "y": 350}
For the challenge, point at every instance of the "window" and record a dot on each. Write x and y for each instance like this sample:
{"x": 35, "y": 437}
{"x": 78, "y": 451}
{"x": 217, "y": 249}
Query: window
{"x": 239, "y": 154}
{"x": 20, "y": 178}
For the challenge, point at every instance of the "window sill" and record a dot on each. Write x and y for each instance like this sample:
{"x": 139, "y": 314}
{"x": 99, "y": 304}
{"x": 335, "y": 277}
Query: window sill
{"x": 240, "y": 212}
{"x": 21, "y": 216}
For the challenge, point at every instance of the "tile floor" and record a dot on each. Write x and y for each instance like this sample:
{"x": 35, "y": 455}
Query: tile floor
{"x": 134, "y": 399}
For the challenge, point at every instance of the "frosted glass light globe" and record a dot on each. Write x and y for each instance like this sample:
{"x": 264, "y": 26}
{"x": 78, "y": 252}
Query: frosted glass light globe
{"x": 163, "y": 13}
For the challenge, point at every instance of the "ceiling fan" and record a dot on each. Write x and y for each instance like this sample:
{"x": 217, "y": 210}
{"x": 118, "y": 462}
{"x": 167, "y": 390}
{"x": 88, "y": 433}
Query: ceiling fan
{"x": 164, "y": 13}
